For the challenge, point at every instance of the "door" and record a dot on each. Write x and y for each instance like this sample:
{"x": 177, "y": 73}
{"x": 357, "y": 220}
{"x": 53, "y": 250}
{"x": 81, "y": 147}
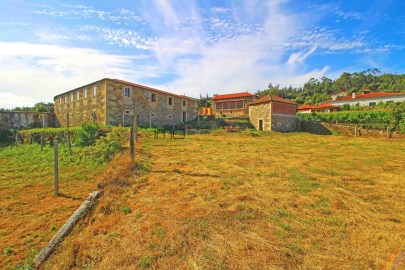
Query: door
{"x": 184, "y": 116}
{"x": 260, "y": 124}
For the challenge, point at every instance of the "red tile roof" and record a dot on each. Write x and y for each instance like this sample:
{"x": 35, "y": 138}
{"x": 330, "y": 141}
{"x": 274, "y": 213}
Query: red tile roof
{"x": 305, "y": 107}
{"x": 319, "y": 107}
{"x": 235, "y": 95}
{"x": 271, "y": 98}
{"x": 371, "y": 95}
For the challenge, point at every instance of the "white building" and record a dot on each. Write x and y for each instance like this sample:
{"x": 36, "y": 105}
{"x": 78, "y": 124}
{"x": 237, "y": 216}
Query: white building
{"x": 369, "y": 99}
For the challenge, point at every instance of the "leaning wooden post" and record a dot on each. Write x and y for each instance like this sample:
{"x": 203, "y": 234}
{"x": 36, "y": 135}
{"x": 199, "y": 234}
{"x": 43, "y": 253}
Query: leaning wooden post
{"x": 388, "y": 133}
{"x": 131, "y": 139}
{"x": 55, "y": 168}
{"x": 68, "y": 134}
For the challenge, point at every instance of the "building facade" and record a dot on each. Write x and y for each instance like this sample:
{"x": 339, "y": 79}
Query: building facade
{"x": 232, "y": 105}
{"x": 273, "y": 113}
{"x": 367, "y": 99}
{"x": 112, "y": 102}
{"x": 319, "y": 108}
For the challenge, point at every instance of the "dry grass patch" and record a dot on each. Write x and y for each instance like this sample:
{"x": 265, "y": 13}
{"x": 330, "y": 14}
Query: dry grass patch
{"x": 249, "y": 201}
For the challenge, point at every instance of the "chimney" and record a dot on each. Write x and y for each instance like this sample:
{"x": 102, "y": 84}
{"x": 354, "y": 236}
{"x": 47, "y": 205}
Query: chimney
{"x": 353, "y": 95}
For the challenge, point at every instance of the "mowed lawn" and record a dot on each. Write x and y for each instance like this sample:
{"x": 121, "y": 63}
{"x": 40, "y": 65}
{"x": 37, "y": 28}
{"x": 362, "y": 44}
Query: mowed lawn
{"x": 29, "y": 212}
{"x": 249, "y": 201}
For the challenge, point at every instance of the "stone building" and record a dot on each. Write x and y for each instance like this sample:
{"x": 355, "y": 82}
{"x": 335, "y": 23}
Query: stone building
{"x": 232, "y": 105}
{"x": 22, "y": 120}
{"x": 112, "y": 102}
{"x": 273, "y": 113}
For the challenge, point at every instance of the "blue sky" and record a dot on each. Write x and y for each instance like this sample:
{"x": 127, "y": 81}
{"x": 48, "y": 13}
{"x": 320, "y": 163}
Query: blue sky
{"x": 192, "y": 47}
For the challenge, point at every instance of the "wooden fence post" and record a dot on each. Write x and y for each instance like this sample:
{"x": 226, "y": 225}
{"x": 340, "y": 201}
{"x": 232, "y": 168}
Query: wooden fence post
{"x": 68, "y": 134}
{"x": 55, "y": 168}
{"x": 131, "y": 139}
{"x": 16, "y": 138}
{"x": 355, "y": 131}
{"x": 136, "y": 127}
{"x": 42, "y": 133}
{"x": 388, "y": 133}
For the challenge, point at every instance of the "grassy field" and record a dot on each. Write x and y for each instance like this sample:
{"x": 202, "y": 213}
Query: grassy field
{"x": 30, "y": 214}
{"x": 248, "y": 201}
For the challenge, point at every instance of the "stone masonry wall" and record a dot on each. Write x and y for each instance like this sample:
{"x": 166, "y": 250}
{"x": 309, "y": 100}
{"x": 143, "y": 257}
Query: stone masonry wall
{"x": 260, "y": 112}
{"x": 232, "y": 112}
{"x": 18, "y": 120}
{"x": 284, "y": 123}
{"x": 80, "y": 104}
{"x": 155, "y": 113}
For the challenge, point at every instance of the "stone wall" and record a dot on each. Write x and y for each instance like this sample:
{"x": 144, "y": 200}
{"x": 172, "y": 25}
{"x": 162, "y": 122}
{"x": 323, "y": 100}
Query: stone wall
{"x": 260, "y": 112}
{"x": 277, "y": 122}
{"x": 23, "y": 120}
{"x": 155, "y": 113}
{"x": 81, "y": 103}
{"x": 284, "y": 123}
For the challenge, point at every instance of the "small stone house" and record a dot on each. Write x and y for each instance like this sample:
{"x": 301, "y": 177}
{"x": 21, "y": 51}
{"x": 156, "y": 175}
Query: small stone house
{"x": 232, "y": 105}
{"x": 273, "y": 113}
{"x": 112, "y": 102}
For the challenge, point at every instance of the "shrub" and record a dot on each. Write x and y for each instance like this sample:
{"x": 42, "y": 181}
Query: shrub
{"x": 87, "y": 135}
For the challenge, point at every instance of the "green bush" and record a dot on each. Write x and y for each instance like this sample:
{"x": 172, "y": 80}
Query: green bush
{"x": 377, "y": 119}
{"x": 87, "y": 135}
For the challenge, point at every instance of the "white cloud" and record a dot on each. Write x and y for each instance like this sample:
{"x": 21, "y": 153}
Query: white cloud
{"x": 10, "y": 100}
{"x": 36, "y": 72}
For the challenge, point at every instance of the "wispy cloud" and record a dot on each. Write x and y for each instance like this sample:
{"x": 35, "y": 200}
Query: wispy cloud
{"x": 45, "y": 70}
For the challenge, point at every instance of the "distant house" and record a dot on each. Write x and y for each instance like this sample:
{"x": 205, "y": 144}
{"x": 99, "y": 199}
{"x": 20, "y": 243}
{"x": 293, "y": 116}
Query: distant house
{"x": 339, "y": 94}
{"x": 232, "y": 105}
{"x": 112, "y": 102}
{"x": 273, "y": 113}
{"x": 319, "y": 108}
{"x": 367, "y": 99}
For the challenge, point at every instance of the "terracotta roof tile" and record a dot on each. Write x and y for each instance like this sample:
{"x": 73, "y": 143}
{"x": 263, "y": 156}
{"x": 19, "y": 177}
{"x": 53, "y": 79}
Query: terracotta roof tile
{"x": 271, "y": 98}
{"x": 371, "y": 95}
{"x": 234, "y": 95}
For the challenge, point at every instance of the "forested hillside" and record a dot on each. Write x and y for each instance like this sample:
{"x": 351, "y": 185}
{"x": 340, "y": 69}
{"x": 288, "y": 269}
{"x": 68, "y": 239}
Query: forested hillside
{"x": 315, "y": 91}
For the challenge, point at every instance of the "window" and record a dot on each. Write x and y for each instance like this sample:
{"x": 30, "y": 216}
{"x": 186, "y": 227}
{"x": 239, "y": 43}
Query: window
{"x": 72, "y": 98}
{"x": 77, "y": 114}
{"x": 170, "y": 116}
{"x": 218, "y": 106}
{"x": 153, "y": 115}
{"x": 170, "y": 101}
{"x": 239, "y": 104}
{"x": 127, "y": 92}
{"x": 184, "y": 103}
{"x": 78, "y": 95}
{"x": 85, "y": 92}
{"x": 153, "y": 97}
{"x": 372, "y": 104}
{"x": 127, "y": 112}
{"x": 95, "y": 91}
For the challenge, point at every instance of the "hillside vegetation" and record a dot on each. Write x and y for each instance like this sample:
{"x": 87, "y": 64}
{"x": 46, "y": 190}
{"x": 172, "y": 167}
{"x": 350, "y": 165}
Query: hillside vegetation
{"x": 316, "y": 91}
{"x": 249, "y": 200}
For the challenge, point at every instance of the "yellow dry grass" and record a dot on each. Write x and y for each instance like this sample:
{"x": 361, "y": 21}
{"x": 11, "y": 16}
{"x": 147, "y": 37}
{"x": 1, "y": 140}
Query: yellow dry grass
{"x": 248, "y": 201}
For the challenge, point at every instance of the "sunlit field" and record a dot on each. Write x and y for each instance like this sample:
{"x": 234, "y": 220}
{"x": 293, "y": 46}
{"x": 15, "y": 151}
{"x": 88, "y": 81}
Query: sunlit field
{"x": 248, "y": 200}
